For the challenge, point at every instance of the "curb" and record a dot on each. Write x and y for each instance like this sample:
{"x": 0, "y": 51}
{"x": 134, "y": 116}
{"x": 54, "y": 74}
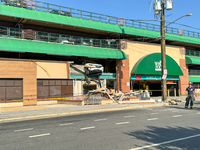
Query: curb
{"x": 78, "y": 113}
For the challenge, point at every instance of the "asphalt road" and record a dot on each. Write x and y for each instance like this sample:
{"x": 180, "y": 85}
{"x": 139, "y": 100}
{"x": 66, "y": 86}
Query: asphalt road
{"x": 170, "y": 127}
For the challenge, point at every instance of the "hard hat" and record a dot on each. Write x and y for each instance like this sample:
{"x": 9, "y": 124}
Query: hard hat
{"x": 190, "y": 83}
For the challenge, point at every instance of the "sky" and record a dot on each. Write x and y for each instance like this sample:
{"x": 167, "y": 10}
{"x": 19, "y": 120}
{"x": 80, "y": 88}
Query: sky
{"x": 139, "y": 10}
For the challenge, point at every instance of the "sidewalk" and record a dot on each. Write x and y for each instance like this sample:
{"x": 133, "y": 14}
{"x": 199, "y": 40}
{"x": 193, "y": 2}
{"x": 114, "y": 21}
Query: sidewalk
{"x": 46, "y": 109}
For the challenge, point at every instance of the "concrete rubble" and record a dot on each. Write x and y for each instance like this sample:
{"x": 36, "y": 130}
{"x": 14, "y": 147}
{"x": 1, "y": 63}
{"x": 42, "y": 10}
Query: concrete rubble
{"x": 119, "y": 97}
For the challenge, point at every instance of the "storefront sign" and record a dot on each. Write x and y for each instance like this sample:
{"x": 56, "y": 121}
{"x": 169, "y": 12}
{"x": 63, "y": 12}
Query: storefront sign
{"x": 134, "y": 77}
{"x": 158, "y": 66}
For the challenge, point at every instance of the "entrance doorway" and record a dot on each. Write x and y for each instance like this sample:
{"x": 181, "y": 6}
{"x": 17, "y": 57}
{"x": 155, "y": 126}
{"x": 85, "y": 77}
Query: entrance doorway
{"x": 154, "y": 87}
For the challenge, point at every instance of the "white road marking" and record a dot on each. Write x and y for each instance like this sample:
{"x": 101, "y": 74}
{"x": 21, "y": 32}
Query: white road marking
{"x": 198, "y": 113}
{"x": 21, "y": 130}
{"x": 152, "y": 119}
{"x": 39, "y": 135}
{"x": 175, "y": 111}
{"x": 101, "y": 119}
{"x": 154, "y": 113}
{"x": 65, "y": 124}
{"x": 153, "y": 145}
{"x": 86, "y": 128}
{"x": 122, "y": 123}
{"x": 129, "y": 116}
{"x": 177, "y": 116}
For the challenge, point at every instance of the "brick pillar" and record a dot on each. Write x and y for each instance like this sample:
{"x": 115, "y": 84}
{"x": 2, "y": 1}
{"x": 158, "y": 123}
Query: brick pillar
{"x": 184, "y": 80}
{"x": 123, "y": 75}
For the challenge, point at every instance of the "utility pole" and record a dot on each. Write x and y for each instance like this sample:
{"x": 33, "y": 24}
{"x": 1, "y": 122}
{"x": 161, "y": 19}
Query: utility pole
{"x": 163, "y": 52}
{"x": 159, "y": 8}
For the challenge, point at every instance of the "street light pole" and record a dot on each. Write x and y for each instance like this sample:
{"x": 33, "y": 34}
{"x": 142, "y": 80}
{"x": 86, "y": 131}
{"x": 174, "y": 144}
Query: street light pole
{"x": 178, "y": 19}
{"x": 163, "y": 52}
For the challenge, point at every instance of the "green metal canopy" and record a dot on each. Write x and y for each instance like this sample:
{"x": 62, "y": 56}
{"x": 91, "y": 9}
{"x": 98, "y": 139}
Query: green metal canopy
{"x": 151, "y": 65}
{"x": 64, "y": 20}
{"x": 194, "y": 79}
{"x": 192, "y": 60}
{"x": 19, "y": 45}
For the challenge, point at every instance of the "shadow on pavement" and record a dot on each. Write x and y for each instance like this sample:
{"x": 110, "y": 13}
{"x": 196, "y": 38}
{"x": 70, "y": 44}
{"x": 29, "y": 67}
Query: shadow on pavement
{"x": 156, "y": 135}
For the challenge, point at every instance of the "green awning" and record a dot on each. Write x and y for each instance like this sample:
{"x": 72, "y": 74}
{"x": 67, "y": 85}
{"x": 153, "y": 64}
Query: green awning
{"x": 64, "y": 20}
{"x": 19, "y": 45}
{"x": 151, "y": 65}
{"x": 194, "y": 79}
{"x": 192, "y": 60}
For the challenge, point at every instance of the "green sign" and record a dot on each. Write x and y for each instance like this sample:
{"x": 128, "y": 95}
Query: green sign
{"x": 152, "y": 65}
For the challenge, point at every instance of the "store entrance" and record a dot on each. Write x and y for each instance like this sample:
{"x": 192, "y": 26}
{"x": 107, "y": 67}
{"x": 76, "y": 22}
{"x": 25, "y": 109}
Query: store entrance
{"x": 172, "y": 89}
{"x": 154, "y": 87}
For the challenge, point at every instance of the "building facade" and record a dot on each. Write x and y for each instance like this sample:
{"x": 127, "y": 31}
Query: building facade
{"x": 43, "y": 46}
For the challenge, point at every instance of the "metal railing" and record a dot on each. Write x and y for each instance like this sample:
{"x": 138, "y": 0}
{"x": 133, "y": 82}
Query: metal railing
{"x": 86, "y": 15}
{"x": 194, "y": 72}
{"x": 192, "y": 52}
{"x": 57, "y": 38}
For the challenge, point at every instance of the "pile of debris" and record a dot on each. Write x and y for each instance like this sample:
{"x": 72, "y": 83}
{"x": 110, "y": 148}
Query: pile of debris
{"x": 119, "y": 97}
{"x": 174, "y": 102}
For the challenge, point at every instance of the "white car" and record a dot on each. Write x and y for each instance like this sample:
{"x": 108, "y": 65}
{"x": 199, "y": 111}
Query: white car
{"x": 91, "y": 68}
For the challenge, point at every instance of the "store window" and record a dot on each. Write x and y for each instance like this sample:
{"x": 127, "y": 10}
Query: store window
{"x": 54, "y": 88}
{"x": 11, "y": 89}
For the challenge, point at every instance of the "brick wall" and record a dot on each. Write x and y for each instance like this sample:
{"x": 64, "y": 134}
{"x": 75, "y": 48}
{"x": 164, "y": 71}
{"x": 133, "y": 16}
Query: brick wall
{"x": 184, "y": 80}
{"x": 123, "y": 75}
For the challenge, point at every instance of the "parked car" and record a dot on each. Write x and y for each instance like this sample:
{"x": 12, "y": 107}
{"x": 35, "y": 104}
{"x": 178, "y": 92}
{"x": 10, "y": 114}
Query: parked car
{"x": 91, "y": 68}
{"x": 61, "y": 12}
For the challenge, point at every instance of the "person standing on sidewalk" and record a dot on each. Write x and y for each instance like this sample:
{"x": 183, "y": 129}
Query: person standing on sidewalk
{"x": 190, "y": 96}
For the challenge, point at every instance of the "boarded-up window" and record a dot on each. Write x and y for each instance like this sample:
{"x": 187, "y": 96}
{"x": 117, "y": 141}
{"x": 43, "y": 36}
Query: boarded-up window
{"x": 54, "y": 88}
{"x": 67, "y": 91}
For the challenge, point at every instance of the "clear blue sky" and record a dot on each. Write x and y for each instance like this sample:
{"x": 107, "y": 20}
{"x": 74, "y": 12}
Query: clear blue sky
{"x": 138, "y": 9}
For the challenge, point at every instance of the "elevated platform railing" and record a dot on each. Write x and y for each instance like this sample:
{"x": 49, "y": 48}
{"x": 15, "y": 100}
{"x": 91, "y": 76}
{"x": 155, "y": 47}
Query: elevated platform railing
{"x": 57, "y": 38}
{"x": 86, "y": 15}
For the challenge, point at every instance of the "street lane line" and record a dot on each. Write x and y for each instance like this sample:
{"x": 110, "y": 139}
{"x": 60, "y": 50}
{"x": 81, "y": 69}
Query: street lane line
{"x": 86, "y": 128}
{"x": 177, "y": 116}
{"x": 152, "y": 119}
{"x": 21, "y": 130}
{"x": 175, "y": 111}
{"x": 129, "y": 116}
{"x": 198, "y": 113}
{"x": 122, "y": 123}
{"x": 167, "y": 142}
{"x": 65, "y": 124}
{"x": 39, "y": 135}
{"x": 101, "y": 119}
{"x": 154, "y": 113}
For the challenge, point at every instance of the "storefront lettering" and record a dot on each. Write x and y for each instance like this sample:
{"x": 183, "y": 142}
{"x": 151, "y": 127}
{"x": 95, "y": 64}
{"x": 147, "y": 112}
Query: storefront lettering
{"x": 152, "y": 77}
{"x": 158, "y": 66}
